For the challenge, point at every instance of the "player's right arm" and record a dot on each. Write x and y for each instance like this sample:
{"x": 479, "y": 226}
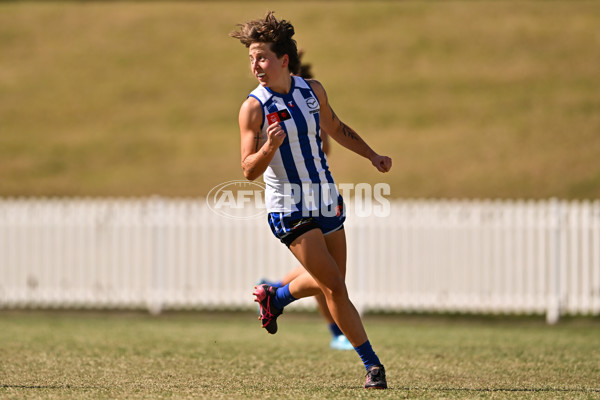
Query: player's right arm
{"x": 256, "y": 156}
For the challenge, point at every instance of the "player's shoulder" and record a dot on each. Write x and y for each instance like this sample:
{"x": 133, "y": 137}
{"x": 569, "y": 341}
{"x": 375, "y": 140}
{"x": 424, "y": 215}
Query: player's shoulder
{"x": 317, "y": 87}
{"x": 251, "y": 110}
{"x": 251, "y": 103}
{"x": 313, "y": 83}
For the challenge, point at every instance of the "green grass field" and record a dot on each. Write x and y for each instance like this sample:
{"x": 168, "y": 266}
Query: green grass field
{"x": 488, "y": 99}
{"x": 60, "y": 355}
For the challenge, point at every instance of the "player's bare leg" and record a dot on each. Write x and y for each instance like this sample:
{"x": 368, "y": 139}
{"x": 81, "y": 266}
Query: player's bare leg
{"x": 324, "y": 258}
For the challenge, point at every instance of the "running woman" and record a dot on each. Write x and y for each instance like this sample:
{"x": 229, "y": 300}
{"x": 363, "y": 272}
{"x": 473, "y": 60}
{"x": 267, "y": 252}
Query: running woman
{"x": 280, "y": 124}
{"x": 338, "y": 339}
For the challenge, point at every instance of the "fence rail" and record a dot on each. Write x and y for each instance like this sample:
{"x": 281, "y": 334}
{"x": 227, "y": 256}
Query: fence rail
{"x": 538, "y": 257}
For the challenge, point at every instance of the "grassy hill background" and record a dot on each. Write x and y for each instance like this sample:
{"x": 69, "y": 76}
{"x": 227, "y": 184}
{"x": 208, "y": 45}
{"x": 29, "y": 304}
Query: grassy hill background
{"x": 471, "y": 99}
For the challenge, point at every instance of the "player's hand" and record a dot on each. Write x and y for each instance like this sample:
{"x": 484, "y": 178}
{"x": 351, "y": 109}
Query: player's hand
{"x": 275, "y": 135}
{"x": 382, "y": 163}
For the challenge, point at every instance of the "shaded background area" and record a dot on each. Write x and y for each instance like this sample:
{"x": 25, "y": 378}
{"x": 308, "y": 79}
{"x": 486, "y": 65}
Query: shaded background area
{"x": 470, "y": 99}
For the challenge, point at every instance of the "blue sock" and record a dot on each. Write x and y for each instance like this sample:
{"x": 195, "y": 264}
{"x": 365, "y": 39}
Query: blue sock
{"x": 283, "y": 297}
{"x": 276, "y": 284}
{"x": 367, "y": 355}
{"x": 335, "y": 330}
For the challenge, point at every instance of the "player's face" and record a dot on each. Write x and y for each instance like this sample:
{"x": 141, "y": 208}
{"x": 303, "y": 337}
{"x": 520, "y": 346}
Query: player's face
{"x": 266, "y": 66}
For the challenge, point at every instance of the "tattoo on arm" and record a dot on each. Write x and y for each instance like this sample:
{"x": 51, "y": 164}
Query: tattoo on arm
{"x": 256, "y": 140}
{"x": 346, "y": 130}
{"x": 248, "y": 166}
{"x": 349, "y": 132}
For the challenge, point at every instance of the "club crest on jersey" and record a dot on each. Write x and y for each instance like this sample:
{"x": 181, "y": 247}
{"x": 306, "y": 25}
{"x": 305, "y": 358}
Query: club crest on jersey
{"x": 290, "y": 103}
{"x": 278, "y": 116}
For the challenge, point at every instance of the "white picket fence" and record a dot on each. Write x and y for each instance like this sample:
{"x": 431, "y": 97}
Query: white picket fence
{"x": 540, "y": 257}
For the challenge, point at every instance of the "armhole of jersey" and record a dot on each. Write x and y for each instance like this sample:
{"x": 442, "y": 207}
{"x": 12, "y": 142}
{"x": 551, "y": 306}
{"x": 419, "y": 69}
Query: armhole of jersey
{"x": 262, "y": 109}
{"x": 312, "y": 91}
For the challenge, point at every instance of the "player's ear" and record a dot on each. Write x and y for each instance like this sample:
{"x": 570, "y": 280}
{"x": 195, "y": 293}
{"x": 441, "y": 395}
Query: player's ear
{"x": 285, "y": 60}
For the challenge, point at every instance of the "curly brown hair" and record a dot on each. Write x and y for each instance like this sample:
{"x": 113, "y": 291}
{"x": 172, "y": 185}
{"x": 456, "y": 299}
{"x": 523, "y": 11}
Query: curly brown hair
{"x": 270, "y": 30}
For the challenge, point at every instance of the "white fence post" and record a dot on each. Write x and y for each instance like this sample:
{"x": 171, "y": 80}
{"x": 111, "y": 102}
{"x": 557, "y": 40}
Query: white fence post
{"x": 156, "y": 220}
{"x": 555, "y": 262}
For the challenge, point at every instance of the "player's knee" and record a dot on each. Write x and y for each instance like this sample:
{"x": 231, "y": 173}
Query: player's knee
{"x": 336, "y": 288}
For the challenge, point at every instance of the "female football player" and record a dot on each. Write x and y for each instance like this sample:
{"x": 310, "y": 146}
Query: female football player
{"x": 338, "y": 339}
{"x": 280, "y": 124}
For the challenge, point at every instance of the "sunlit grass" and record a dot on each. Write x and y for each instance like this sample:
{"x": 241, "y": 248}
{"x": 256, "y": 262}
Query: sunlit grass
{"x": 228, "y": 356}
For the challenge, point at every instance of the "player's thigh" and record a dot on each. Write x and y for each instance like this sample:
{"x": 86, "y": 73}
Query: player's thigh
{"x": 312, "y": 251}
{"x": 336, "y": 245}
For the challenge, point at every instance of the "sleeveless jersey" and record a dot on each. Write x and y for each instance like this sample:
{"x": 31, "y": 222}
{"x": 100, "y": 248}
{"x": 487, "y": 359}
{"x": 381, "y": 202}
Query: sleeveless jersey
{"x": 300, "y": 162}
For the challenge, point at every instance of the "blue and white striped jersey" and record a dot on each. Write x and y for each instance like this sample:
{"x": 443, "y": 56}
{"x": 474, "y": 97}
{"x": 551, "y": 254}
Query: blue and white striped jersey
{"x": 300, "y": 161}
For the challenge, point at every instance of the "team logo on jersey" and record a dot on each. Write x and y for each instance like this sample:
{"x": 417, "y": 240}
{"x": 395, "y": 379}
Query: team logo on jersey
{"x": 290, "y": 103}
{"x": 313, "y": 105}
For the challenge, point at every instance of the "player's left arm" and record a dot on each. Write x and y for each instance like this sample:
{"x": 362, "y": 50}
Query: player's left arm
{"x": 343, "y": 134}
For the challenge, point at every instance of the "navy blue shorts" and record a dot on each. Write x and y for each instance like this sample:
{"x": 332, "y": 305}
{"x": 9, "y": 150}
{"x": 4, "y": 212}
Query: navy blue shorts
{"x": 287, "y": 227}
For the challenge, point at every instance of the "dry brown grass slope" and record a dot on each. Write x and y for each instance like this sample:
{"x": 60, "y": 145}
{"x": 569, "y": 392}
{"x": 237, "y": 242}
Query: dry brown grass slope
{"x": 471, "y": 99}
